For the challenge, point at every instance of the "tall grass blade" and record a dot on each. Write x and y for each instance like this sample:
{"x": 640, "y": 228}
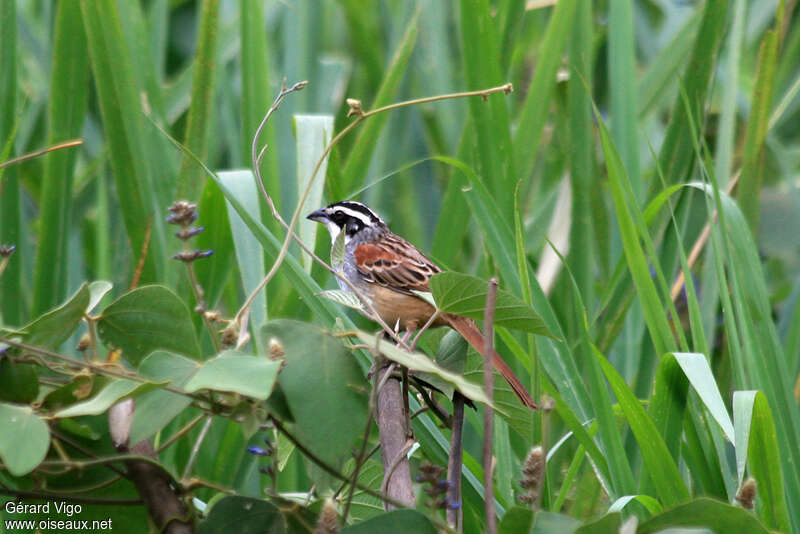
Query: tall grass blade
{"x": 120, "y": 104}
{"x": 11, "y": 288}
{"x": 69, "y": 85}
{"x": 198, "y": 123}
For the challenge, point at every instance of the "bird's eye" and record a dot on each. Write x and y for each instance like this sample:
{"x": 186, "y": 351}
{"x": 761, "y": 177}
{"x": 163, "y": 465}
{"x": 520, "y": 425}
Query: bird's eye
{"x": 338, "y": 213}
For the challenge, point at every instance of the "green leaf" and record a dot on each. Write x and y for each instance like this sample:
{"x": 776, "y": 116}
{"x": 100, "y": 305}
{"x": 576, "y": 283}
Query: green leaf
{"x": 69, "y": 91}
{"x": 11, "y": 288}
{"x": 54, "y": 327}
{"x": 549, "y": 523}
{"x": 516, "y": 520}
{"x": 465, "y": 295}
{"x": 653, "y": 309}
{"x": 652, "y": 505}
{"x": 198, "y": 122}
{"x": 213, "y": 272}
{"x": 757, "y": 441}
{"x": 116, "y": 390}
{"x": 24, "y": 441}
{"x": 256, "y": 91}
{"x": 657, "y": 458}
{"x": 119, "y": 96}
{"x": 608, "y": 524}
{"x": 355, "y": 168}
{"x": 394, "y": 522}
{"x": 416, "y": 361}
{"x": 155, "y": 409}
{"x": 249, "y": 256}
{"x": 97, "y": 290}
{"x": 697, "y": 370}
{"x": 537, "y": 100}
{"x": 677, "y": 155}
{"x": 313, "y": 135}
{"x": 753, "y": 158}
{"x": 345, "y": 298}
{"x": 243, "y": 515}
{"x": 320, "y": 371}
{"x": 252, "y": 376}
{"x": 19, "y": 381}
{"x": 481, "y": 66}
{"x": 337, "y": 250}
{"x": 704, "y": 512}
{"x": 146, "y": 319}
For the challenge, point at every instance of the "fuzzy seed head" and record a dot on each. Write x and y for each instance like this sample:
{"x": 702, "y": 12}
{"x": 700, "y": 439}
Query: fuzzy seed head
{"x": 328, "y": 522}
{"x": 747, "y": 493}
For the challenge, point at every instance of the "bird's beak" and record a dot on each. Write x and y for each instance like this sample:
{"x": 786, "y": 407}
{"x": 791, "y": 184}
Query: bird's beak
{"x": 320, "y": 216}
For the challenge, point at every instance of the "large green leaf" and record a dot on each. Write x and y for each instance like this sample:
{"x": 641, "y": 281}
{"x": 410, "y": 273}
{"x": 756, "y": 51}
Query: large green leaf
{"x": 243, "y": 515}
{"x": 697, "y": 370}
{"x": 155, "y": 409}
{"x": 116, "y": 390}
{"x": 249, "y": 256}
{"x": 253, "y": 376}
{"x": 54, "y": 327}
{"x": 395, "y": 522}
{"x": 313, "y": 135}
{"x": 704, "y": 512}
{"x": 657, "y": 458}
{"x": 146, "y": 319}
{"x": 24, "y": 440}
{"x": 320, "y": 371}
{"x": 465, "y": 295}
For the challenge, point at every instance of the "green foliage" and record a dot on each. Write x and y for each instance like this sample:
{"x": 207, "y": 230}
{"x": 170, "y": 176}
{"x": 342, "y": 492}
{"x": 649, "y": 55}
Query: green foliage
{"x": 586, "y": 191}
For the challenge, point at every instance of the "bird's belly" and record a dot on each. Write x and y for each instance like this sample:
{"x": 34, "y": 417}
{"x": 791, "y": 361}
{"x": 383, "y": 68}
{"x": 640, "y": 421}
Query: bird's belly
{"x": 398, "y": 309}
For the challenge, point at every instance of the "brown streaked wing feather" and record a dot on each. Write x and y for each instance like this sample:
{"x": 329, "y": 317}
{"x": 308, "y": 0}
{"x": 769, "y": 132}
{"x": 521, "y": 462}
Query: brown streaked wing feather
{"x": 395, "y": 263}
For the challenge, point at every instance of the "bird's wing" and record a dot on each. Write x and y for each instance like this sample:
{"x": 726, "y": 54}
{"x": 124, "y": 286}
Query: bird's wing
{"x": 395, "y": 263}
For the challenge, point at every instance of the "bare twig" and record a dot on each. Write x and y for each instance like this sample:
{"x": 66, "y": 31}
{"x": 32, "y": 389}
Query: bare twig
{"x": 25, "y": 157}
{"x": 196, "y": 449}
{"x": 180, "y": 433}
{"x": 488, "y": 415}
{"x": 97, "y": 368}
{"x": 327, "y": 467}
{"x": 455, "y": 513}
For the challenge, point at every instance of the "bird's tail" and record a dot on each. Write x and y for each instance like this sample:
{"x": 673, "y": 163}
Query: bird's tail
{"x": 469, "y": 331}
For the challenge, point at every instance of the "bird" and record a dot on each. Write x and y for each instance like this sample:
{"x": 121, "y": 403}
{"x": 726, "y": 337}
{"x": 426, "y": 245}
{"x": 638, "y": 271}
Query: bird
{"x": 387, "y": 270}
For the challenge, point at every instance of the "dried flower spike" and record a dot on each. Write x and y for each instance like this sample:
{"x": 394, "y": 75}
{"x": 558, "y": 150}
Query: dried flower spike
{"x": 183, "y": 213}
{"x": 328, "y": 522}
{"x": 747, "y": 493}
{"x": 7, "y": 250}
{"x": 532, "y": 474}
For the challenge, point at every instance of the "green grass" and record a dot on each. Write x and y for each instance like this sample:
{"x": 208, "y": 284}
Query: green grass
{"x": 648, "y": 109}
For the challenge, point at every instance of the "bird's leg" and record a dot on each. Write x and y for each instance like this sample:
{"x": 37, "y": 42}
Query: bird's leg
{"x": 406, "y": 408}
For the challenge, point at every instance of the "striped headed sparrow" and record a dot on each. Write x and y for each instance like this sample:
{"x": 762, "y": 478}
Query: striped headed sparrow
{"x": 387, "y": 269}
